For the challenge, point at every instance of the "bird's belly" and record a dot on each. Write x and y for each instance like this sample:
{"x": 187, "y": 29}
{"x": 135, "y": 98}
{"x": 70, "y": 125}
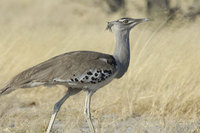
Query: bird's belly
{"x": 94, "y": 87}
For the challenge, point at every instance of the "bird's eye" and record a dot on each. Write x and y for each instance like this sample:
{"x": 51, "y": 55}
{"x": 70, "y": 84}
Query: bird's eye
{"x": 125, "y": 21}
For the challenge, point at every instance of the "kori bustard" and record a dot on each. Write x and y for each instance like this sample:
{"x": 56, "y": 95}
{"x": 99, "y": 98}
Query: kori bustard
{"x": 80, "y": 70}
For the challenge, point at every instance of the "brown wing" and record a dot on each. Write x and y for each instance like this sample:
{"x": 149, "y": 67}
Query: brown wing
{"x": 65, "y": 66}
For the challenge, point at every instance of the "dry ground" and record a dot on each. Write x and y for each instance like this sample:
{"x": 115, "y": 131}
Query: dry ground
{"x": 159, "y": 93}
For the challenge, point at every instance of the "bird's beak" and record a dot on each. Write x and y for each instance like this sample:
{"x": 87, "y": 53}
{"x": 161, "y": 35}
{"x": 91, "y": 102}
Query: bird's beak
{"x": 137, "y": 21}
{"x": 109, "y": 26}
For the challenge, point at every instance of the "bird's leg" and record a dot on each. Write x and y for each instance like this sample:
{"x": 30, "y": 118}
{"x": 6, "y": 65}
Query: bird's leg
{"x": 56, "y": 109}
{"x": 87, "y": 110}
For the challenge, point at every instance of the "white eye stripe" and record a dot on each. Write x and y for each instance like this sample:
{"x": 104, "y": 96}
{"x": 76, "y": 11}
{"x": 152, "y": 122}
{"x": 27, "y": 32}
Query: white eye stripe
{"x": 122, "y": 20}
{"x": 125, "y": 21}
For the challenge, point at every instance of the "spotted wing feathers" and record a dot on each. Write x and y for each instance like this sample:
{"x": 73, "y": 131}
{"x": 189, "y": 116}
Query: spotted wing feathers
{"x": 69, "y": 68}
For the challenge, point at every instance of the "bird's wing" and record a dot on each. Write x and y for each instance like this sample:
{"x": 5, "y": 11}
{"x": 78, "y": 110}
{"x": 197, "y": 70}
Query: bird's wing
{"x": 73, "y": 67}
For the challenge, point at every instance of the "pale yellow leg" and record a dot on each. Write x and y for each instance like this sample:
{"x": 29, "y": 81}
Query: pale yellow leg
{"x": 55, "y": 111}
{"x": 87, "y": 111}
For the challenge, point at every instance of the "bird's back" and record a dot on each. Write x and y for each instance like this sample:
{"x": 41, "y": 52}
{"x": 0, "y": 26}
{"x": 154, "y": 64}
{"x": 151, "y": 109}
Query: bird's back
{"x": 70, "y": 69}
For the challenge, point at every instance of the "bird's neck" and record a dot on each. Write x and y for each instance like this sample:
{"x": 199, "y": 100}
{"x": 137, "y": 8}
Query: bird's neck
{"x": 122, "y": 52}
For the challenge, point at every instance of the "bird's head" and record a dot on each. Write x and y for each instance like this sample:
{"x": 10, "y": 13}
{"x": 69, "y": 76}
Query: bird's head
{"x": 124, "y": 24}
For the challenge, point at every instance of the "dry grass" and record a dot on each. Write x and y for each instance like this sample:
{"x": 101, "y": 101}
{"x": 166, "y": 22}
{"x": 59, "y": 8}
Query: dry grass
{"x": 162, "y": 83}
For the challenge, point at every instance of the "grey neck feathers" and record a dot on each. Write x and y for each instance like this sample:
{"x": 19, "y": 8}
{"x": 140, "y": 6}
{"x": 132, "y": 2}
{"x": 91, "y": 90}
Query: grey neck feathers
{"x": 122, "y": 52}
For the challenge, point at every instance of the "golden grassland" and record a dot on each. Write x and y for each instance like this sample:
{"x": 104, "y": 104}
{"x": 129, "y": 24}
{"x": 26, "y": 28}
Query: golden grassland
{"x": 162, "y": 83}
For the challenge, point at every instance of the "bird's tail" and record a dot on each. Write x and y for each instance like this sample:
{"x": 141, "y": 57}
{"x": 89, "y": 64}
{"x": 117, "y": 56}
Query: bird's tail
{"x": 5, "y": 90}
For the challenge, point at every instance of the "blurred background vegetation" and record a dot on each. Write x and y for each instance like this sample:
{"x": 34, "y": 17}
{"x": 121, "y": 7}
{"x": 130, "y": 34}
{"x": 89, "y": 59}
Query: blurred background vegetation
{"x": 159, "y": 93}
{"x": 158, "y": 8}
